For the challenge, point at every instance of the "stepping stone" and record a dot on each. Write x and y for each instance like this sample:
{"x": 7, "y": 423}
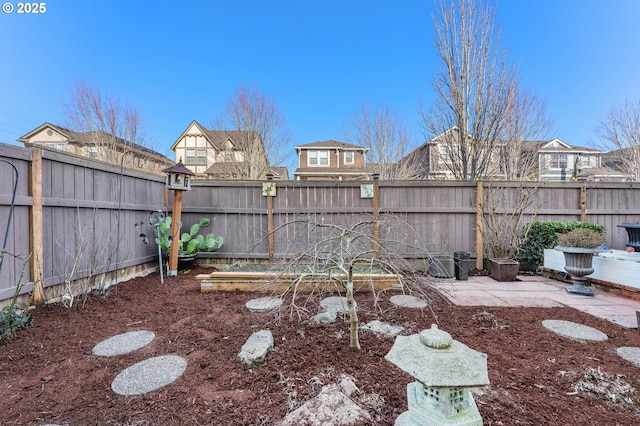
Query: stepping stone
{"x": 383, "y": 328}
{"x": 337, "y": 304}
{"x": 123, "y": 343}
{"x": 149, "y": 375}
{"x": 264, "y": 304}
{"x": 326, "y": 317}
{"x": 406, "y": 301}
{"x": 575, "y": 331}
{"x": 630, "y": 354}
{"x": 255, "y": 349}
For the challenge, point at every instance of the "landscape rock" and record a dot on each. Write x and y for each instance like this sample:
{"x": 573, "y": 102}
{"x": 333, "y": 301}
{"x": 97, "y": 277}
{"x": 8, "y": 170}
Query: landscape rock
{"x": 382, "y": 328}
{"x": 325, "y": 317}
{"x": 330, "y": 408}
{"x": 256, "y": 348}
{"x": 407, "y": 301}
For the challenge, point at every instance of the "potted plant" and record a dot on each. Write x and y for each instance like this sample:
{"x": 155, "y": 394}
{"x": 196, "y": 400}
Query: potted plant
{"x": 504, "y": 228}
{"x": 189, "y": 244}
{"x": 579, "y": 245}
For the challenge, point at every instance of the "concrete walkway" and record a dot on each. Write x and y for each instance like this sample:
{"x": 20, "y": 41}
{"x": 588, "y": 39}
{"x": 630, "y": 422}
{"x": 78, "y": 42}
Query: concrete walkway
{"x": 539, "y": 292}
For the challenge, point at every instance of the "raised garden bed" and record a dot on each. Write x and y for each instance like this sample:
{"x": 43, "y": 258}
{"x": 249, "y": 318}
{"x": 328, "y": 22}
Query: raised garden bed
{"x": 270, "y": 280}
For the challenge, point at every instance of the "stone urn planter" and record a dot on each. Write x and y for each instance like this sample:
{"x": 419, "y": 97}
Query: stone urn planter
{"x": 579, "y": 245}
{"x": 633, "y": 232}
{"x": 578, "y": 262}
{"x": 504, "y": 269}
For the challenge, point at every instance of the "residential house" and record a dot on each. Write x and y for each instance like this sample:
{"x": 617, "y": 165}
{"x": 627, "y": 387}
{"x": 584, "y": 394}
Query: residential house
{"x": 552, "y": 160}
{"x": 432, "y": 159}
{"x": 559, "y": 161}
{"x": 97, "y": 145}
{"x": 224, "y": 154}
{"x": 331, "y": 160}
{"x": 626, "y": 161}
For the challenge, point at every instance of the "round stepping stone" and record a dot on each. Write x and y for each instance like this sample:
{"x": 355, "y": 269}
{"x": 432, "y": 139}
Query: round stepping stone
{"x": 263, "y": 304}
{"x": 123, "y": 343}
{"x": 149, "y": 375}
{"x": 406, "y": 301}
{"x": 336, "y": 304}
{"x": 630, "y": 354}
{"x": 575, "y": 331}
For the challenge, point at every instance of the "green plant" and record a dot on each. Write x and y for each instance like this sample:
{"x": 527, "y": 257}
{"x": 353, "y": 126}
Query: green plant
{"x": 544, "y": 235}
{"x": 190, "y": 242}
{"x": 581, "y": 237}
{"x": 13, "y": 317}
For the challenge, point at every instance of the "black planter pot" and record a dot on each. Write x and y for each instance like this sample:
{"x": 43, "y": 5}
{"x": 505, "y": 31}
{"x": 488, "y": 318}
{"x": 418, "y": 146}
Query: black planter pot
{"x": 186, "y": 262}
{"x": 578, "y": 262}
{"x": 633, "y": 231}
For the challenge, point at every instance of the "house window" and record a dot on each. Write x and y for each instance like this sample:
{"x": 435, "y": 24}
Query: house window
{"x": 584, "y": 161}
{"x": 202, "y": 156}
{"x": 447, "y": 152}
{"x": 318, "y": 158}
{"x": 229, "y": 156}
{"x": 191, "y": 156}
{"x": 92, "y": 152}
{"x": 349, "y": 157}
{"x": 61, "y": 147}
{"x": 558, "y": 161}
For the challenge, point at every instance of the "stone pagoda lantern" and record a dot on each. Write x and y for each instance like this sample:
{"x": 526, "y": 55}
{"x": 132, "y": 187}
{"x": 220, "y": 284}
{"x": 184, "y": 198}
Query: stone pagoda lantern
{"x": 444, "y": 370}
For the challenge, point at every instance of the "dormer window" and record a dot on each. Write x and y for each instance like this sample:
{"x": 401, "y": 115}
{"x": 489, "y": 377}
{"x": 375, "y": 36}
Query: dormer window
{"x": 349, "y": 157}
{"x": 318, "y": 158}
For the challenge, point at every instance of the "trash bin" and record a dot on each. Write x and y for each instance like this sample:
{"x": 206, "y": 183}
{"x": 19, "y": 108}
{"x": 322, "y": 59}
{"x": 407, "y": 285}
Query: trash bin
{"x": 441, "y": 266}
{"x": 461, "y": 259}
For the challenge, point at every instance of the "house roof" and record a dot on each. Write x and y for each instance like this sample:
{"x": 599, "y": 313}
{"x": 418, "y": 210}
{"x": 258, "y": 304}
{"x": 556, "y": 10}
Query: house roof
{"x": 226, "y": 168}
{"x": 333, "y": 144}
{"x": 217, "y": 138}
{"x": 88, "y": 138}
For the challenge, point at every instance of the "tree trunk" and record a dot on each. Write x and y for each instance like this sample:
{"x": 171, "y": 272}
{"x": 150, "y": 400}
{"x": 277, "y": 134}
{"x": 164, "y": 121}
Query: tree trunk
{"x": 353, "y": 314}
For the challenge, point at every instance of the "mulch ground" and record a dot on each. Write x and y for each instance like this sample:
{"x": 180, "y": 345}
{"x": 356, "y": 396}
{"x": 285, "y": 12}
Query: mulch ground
{"x": 49, "y": 375}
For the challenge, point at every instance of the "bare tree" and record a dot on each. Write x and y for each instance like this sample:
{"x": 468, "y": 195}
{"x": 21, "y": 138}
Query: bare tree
{"x": 260, "y": 131}
{"x": 331, "y": 253}
{"x": 105, "y": 125}
{"x": 386, "y": 137}
{"x": 529, "y": 122}
{"x": 478, "y": 104}
{"x": 619, "y": 129}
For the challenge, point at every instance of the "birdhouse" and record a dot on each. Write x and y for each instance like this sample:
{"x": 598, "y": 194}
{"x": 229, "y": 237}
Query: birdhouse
{"x": 178, "y": 177}
{"x": 444, "y": 370}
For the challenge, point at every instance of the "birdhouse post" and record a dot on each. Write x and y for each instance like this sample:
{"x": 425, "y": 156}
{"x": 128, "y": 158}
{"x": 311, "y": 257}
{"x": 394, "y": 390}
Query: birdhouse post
{"x": 179, "y": 180}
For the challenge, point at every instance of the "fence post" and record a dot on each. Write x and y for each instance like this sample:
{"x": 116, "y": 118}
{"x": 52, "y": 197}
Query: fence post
{"x": 270, "y": 238}
{"x": 36, "y": 263}
{"x": 479, "y": 242}
{"x": 583, "y": 203}
{"x": 376, "y": 215}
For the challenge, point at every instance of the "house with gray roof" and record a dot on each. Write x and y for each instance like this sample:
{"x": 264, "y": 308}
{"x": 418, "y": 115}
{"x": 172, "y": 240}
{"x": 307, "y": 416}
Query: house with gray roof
{"x": 331, "y": 160}
{"x": 97, "y": 145}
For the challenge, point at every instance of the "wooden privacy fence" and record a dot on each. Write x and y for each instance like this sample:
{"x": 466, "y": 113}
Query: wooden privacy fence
{"x": 81, "y": 219}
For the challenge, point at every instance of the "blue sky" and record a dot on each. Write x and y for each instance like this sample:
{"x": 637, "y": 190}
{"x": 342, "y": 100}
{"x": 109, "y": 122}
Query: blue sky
{"x": 178, "y": 61}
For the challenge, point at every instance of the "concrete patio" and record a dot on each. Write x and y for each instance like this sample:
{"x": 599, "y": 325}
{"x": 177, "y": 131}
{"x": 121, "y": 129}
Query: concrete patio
{"x": 537, "y": 291}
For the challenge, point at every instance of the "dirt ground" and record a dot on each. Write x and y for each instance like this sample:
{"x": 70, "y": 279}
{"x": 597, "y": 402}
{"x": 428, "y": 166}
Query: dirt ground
{"x": 49, "y": 375}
